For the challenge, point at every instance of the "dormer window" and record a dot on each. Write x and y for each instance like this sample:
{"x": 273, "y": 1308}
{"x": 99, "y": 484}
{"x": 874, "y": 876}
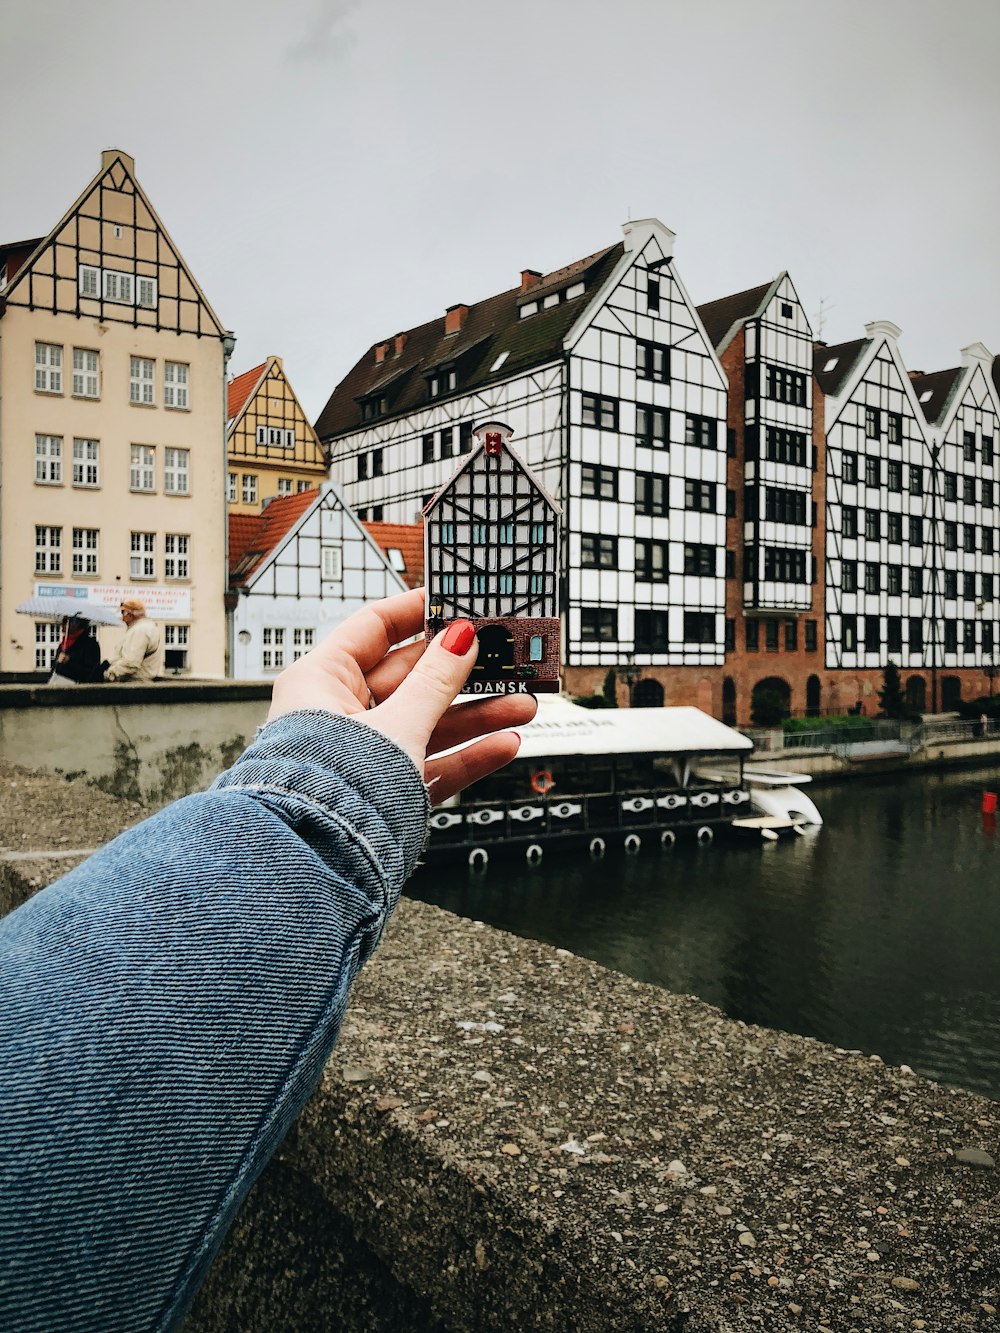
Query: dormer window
{"x": 552, "y": 299}
{"x": 373, "y": 407}
{"x": 442, "y": 381}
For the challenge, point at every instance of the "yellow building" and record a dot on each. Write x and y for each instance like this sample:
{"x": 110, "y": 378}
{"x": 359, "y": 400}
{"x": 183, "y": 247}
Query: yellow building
{"x": 272, "y": 448}
{"x": 112, "y": 446}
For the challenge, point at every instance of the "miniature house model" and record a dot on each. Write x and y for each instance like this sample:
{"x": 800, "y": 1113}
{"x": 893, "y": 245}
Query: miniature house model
{"x": 491, "y": 538}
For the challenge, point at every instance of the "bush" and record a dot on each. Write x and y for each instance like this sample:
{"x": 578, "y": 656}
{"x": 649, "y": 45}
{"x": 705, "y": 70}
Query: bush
{"x": 768, "y": 708}
{"x": 590, "y": 701}
{"x": 842, "y": 722}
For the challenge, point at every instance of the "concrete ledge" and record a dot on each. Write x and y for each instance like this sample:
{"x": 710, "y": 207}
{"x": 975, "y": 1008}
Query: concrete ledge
{"x": 828, "y": 766}
{"x": 154, "y": 692}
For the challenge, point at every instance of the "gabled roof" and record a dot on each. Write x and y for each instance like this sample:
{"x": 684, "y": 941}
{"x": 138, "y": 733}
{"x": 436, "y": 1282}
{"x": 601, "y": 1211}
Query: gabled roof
{"x": 832, "y": 365}
{"x": 252, "y": 537}
{"x": 408, "y": 540}
{"x": 719, "y": 316}
{"x": 471, "y": 458}
{"x": 935, "y": 391}
{"x": 241, "y": 389}
{"x": 490, "y": 328}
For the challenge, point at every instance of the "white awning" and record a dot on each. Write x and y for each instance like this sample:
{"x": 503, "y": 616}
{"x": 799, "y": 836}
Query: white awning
{"x": 562, "y": 728}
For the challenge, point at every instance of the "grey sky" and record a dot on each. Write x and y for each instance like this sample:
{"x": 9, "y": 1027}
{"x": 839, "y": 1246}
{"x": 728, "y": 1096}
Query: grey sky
{"x": 337, "y": 170}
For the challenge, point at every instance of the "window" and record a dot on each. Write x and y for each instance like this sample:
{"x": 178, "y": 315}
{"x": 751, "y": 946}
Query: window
{"x": 849, "y": 521}
{"x": 699, "y": 495}
{"x": 916, "y": 480}
{"x": 916, "y": 526}
{"x": 378, "y": 462}
{"x": 85, "y": 550}
{"x": 987, "y": 540}
{"x": 176, "y": 471}
{"x": 730, "y": 633}
{"x": 893, "y": 428}
{"x": 791, "y": 636}
{"x": 175, "y": 647}
{"x": 175, "y": 387}
{"x": 969, "y": 636}
{"x": 810, "y": 636}
{"x": 894, "y": 475}
{"x": 651, "y": 427}
{"x": 89, "y": 280}
{"x": 916, "y": 581}
{"x": 987, "y": 580}
{"x": 86, "y": 379}
{"x": 598, "y": 483}
{"x": 650, "y": 494}
{"x": 427, "y": 449}
{"x": 950, "y": 486}
{"x": 873, "y": 423}
{"x": 284, "y": 486}
{"x": 653, "y": 295}
{"x": 786, "y": 386}
{"x": 505, "y": 584}
{"x": 753, "y": 635}
{"x": 873, "y": 525}
{"x": 141, "y": 385}
{"x": 465, "y": 437}
{"x": 849, "y": 468}
{"x": 950, "y": 583}
{"x": 771, "y": 635}
{"x": 872, "y": 635}
{"x": 362, "y": 467}
{"x": 784, "y": 506}
{"x": 894, "y": 634}
{"x": 951, "y": 636}
{"x": 786, "y": 446}
{"x": 699, "y": 559}
{"x": 873, "y": 577}
{"x": 446, "y": 442}
{"x": 969, "y": 446}
{"x": 378, "y": 513}
{"x": 539, "y": 533}
{"x": 447, "y": 533}
{"x": 598, "y": 624}
{"x": 231, "y": 488}
{"x": 849, "y": 575}
{"x": 651, "y": 565}
{"x": 249, "y": 488}
{"x": 479, "y": 583}
{"x": 48, "y": 550}
{"x": 48, "y": 460}
{"x": 302, "y": 641}
{"x": 505, "y": 534}
{"x": 600, "y": 412}
{"x": 47, "y": 636}
{"x": 872, "y": 472}
{"x": 849, "y": 633}
{"x": 118, "y": 287}
{"x": 969, "y": 536}
{"x": 536, "y": 584}
{"x": 951, "y": 536}
{"x": 701, "y": 431}
{"x": 373, "y": 407}
{"x": 332, "y": 563}
{"x": 969, "y": 490}
{"x": 783, "y": 565}
{"x": 987, "y": 638}
{"x": 447, "y": 583}
{"x": 598, "y": 552}
{"x": 86, "y": 463}
{"x": 786, "y": 310}
{"x": 730, "y": 564}
{"x": 142, "y": 469}
{"x": 987, "y": 492}
{"x": 272, "y": 648}
{"x": 652, "y": 362}
{"x": 651, "y": 631}
{"x": 176, "y": 556}
{"x": 48, "y": 368}
{"x": 894, "y": 527}
{"x": 142, "y": 562}
{"x": 441, "y": 381}
{"x": 969, "y": 587}
{"x": 146, "y": 293}
{"x": 699, "y": 627}
{"x": 480, "y": 533}
{"x": 894, "y": 580}
{"x": 535, "y": 648}
{"x": 916, "y": 634}
{"x": 987, "y": 451}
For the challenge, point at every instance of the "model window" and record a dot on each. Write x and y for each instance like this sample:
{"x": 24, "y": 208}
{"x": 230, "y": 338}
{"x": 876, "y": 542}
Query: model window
{"x": 118, "y": 287}
{"x": 598, "y": 552}
{"x": 537, "y": 584}
{"x": 332, "y": 563}
{"x": 987, "y": 449}
{"x": 362, "y": 467}
{"x": 480, "y": 534}
{"x": 969, "y": 490}
{"x": 950, "y": 583}
{"x": 916, "y": 636}
{"x": 969, "y": 537}
{"x": 285, "y": 488}
{"x": 951, "y": 636}
{"x": 894, "y": 634}
{"x": 652, "y": 361}
{"x": 479, "y": 583}
{"x": 539, "y": 534}
{"x": 535, "y": 648}
{"x": 752, "y": 634}
{"x": 506, "y": 583}
{"x": 987, "y": 540}
{"x": 969, "y": 587}
{"x": 651, "y": 427}
{"x": 86, "y": 380}
{"x": 48, "y": 368}
{"x": 598, "y": 483}
{"x": 47, "y": 636}
{"x": 427, "y": 449}
{"x": 600, "y": 411}
{"x": 231, "y": 491}
{"x": 872, "y": 635}
{"x": 146, "y": 293}
{"x": 783, "y": 506}
{"x": 447, "y": 533}
{"x": 951, "y": 536}
{"x": 89, "y": 280}
{"x": 987, "y": 492}
{"x": 465, "y": 437}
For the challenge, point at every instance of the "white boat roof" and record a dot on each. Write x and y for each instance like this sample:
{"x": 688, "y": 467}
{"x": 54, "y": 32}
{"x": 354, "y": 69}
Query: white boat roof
{"x": 561, "y": 727}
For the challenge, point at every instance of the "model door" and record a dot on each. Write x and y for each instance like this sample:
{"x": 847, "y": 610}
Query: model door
{"x": 496, "y": 653}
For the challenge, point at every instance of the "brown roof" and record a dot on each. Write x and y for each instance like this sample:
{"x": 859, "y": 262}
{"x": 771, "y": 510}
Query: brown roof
{"x": 241, "y": 388}
{"x": 832, "y": 365}
{"x": 719, "y": 316}
{"x": 252, "y": 537}
{"x": 939, "y": 386}
{"x": 16, "y": 252}
{"x": 408, "y": 539}
{"x": 491, "y": 327}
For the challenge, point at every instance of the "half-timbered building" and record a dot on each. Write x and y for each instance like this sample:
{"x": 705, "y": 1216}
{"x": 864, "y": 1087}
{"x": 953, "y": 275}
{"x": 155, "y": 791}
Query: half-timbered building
{"x": 272, "y": 448}
{"x": 296, "y": 570}
{"x": 113, "y": 365}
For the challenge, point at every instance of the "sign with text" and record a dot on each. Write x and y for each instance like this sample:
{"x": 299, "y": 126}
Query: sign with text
{"x": 161, "y": 603}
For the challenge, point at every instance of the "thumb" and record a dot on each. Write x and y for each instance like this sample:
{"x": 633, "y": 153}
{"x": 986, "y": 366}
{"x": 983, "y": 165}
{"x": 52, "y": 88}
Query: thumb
{"x": 411, "y": 713}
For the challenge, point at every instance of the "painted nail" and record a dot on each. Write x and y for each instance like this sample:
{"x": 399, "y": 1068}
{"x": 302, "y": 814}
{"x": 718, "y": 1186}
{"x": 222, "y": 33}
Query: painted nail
{"x": 458, "y": 637}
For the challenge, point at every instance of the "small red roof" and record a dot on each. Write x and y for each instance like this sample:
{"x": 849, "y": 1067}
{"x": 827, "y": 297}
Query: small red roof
{"x": 252, "y": 537}
{"x": 241, "y": 388}
{"x": 408, "y": 540}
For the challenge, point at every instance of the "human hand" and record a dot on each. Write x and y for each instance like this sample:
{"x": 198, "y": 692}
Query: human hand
{"x": 358, "y": 665}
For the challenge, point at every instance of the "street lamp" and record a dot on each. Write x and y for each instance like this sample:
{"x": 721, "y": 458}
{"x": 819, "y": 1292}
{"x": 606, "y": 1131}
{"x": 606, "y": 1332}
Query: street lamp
{"x": 630, "y": 674}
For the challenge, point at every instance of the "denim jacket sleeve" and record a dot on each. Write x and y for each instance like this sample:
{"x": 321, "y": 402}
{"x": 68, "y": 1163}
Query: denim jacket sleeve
{"x": 166, "y": 1009}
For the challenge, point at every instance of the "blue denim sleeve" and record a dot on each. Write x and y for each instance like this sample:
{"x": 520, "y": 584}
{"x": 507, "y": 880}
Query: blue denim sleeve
{"x": 166, "y": 1009}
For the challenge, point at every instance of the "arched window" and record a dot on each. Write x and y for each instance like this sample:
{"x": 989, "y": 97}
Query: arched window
{"x": 535, "y": 648}
{"x": 729, "y": 701}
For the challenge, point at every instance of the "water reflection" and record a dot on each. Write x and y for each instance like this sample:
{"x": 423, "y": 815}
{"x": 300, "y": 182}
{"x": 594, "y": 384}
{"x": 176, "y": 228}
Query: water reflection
{"x": 879, "y": 931}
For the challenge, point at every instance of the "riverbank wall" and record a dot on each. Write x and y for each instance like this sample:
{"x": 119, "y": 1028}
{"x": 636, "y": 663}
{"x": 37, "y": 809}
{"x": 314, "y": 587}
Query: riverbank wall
{"x": 949, "y": 746}
{"x": 511, "y": 1136}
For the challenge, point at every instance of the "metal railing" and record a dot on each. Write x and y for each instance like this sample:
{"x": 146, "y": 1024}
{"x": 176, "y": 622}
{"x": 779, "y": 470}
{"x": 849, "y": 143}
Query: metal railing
{"x": 893, "y": 734}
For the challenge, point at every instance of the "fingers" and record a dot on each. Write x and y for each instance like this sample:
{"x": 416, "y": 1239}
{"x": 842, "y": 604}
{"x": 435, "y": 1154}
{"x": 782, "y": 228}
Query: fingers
{"x": 448, "y": 775}
{"x": 393, "y": 669}
{"x": 463, "y": 721}
{"x": 411, "y": 714}
{"x": 369, "y": 634}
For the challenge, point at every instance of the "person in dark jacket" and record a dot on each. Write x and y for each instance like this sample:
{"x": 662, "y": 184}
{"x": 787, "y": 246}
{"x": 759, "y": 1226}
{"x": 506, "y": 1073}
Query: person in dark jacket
{"x": 78, "y": 660}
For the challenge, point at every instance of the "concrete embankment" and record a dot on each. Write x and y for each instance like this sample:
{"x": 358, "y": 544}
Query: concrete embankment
{"x": 510, "y": 1136}
{"x": 834, "y": 763}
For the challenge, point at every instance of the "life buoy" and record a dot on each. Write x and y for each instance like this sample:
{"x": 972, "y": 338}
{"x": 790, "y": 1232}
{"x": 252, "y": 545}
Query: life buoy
{"x": 542, "y": 782}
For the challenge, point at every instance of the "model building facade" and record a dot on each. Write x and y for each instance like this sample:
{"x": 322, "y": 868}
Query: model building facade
{"x": 491, "y": 557}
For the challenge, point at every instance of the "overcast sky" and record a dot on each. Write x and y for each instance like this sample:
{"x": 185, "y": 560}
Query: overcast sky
{"x": 336, "y": 170}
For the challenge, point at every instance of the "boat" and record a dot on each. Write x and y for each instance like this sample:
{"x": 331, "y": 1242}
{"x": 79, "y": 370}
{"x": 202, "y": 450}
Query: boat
{"x": 601, "y": 778}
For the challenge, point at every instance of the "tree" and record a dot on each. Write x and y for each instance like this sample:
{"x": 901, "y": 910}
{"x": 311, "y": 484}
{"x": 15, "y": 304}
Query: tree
{"x": 891, "y": 696}
{"x": 611, "y": 688}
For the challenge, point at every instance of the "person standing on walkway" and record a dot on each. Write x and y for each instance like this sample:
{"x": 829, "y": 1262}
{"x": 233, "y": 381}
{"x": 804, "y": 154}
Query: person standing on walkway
{"x": 140, "y": 653}
{"x": 78, "y": 661}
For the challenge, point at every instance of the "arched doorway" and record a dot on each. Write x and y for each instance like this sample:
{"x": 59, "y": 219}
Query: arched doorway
{"x": 647, "y": 694}
{"x": 729, "y": 701}
{"x": 496, "y": 653}
{"x": 813, "y": 694}
{"x": 951, "y": 694}
{"x": 916, "y": 693}
{"x": 771, "y": 701}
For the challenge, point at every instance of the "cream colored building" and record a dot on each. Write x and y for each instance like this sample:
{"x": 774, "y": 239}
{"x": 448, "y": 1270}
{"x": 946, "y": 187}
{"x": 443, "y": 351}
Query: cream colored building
{"x": 273, "y": 449}
{"x": 112, "y": 434}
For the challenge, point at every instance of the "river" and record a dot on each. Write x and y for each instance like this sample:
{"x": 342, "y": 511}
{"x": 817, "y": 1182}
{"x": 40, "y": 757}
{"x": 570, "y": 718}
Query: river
{"x": 879, "y": 931}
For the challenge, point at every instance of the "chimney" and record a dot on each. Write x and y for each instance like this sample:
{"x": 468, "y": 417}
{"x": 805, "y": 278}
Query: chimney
{"x": 529, "y": 276}
{"x": 110, "y": 154}
{"x": 399, "y": 342}
{"x": 381, "y": 351}
{"x": 915, "y": 374}
{"x": 454, "y": 317}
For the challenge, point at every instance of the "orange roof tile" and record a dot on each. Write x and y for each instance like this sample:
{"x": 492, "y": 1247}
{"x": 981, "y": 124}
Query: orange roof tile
{"x": 252, "y": 537}
{"x": 408, "y": 539}
{"x": 241, "y": 388}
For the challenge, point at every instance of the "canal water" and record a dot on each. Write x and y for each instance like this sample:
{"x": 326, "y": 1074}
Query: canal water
{"x": 879, "y": 931}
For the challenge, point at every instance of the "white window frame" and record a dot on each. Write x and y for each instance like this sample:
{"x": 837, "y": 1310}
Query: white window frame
{"x": 176, "y": 555}
{"x": 142, "y": 385}
{"x": 48, "y": 549}
{"x": 86, "y": 463}
{"x": 86, "y": 551}
{"x": 301, "y": 486}
{"x": 142, "y": 469}
{"x": 282, "y": 437}
{"x": 89, "y": 281}
{"x": 118, "y": 286}
{"x": 332, "y": 564}
{"x": 48, "y": 460}
{"x": 142, "y": 555}
{"x": 48, "y": 634}
{"x": 284, "y": 486}
{"x": 177, "y": 639}
{"x": 176, "y": 471}
{"x": 86, "y": 373}
{"x": 303, "y": 641}
{"x": 176, "y": 375}
{"x": 146, "y": 293}
{"x": 232, "y": 487}
{"x": 273, "y": 648}
{"x": 249, "y": 488}
{"x": 48, "y": 367}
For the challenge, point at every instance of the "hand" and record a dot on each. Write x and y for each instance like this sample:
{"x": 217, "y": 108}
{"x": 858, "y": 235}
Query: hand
{"x": 412, "y": 689}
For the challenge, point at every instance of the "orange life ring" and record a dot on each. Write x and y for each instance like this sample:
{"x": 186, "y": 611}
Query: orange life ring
{"x": 542, "y": 782}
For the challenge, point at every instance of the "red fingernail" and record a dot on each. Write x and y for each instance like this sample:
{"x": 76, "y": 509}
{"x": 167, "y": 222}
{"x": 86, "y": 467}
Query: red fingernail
{"x": 458, "y": 637}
